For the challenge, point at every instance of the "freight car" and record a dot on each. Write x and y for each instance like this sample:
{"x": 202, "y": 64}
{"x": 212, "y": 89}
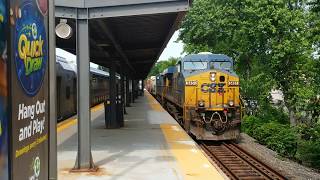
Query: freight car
{"x": 67, "y": 85}
{"x": 202, "y": 93}
{"x": 151, "y": 85}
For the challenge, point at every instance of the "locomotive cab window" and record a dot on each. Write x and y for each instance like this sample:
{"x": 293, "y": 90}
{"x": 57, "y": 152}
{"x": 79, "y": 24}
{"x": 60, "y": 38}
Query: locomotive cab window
{"x": 195, "y": 65}
{"x": 224, "y": 65}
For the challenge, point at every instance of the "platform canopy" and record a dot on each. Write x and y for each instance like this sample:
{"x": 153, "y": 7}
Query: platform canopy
{"x": 132, "y": 33}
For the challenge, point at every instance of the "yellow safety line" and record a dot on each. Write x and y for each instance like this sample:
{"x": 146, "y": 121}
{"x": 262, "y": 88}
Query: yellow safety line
{"x": 154, "y": 104}
{"x": 190, "y": 159}
{"x": 72, "y": 121}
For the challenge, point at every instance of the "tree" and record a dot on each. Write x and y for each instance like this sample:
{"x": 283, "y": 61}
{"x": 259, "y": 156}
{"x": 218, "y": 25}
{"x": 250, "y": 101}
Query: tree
{"x": 160, "y": 66}
{"x": 269, "y": 40}
{"x": 315, "y": 23}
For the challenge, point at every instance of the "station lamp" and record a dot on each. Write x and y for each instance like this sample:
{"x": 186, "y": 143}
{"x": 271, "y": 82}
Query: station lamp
{"x": 64, "y": 30}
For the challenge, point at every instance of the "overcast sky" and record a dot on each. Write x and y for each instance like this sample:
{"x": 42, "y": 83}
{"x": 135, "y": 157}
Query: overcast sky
{"x": 173, "y": 48}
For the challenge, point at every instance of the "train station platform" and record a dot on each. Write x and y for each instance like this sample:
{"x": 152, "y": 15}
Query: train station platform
{"x": 150, "y": 146}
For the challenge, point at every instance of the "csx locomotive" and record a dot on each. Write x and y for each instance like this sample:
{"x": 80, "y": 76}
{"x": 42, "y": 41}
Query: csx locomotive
{"x": 202, "y": 93}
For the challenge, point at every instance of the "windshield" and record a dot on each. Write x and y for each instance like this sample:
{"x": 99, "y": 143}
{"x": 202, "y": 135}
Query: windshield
{"x": 195, "y": 65}
{"x": 226, "y": 65}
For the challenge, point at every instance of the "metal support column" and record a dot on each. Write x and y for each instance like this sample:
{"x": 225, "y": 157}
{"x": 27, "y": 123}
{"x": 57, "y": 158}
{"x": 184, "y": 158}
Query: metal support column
{"x": 111, "y": 118}
{"x": 142, "y": 88}
{"x": 52, "y": 95}
{"x": 135, "y": 89}
{"x": 124, "y": 94}
{"x": 122, "y": 110}
{"x": 84, "y": 157}
{"x": 131, "y": 91}
{"x": 128, "y": 100}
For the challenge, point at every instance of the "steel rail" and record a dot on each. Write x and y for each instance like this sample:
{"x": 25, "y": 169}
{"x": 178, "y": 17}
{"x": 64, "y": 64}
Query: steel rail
{"x": 236, "y": 163}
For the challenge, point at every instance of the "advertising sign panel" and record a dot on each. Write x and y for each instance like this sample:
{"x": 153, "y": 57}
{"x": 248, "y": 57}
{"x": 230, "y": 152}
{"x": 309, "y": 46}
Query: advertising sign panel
{"x": 29, "y": 88}
{"x": 4, "y": 170}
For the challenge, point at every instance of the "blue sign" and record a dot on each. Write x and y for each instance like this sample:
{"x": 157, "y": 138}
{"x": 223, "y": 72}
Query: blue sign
{"x": 3, "y": 24}
{"x": 31, "y": 54}
{"x": 29, "y": 94}
{"x": 4, "y": 170}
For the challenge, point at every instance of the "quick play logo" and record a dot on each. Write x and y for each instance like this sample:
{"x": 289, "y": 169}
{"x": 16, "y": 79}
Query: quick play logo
{"x": 31, "y": 51}
{"x": 30, "y": 47}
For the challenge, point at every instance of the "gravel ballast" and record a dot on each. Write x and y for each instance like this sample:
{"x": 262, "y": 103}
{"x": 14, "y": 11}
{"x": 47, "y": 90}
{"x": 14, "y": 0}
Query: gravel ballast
{"x": 287, "y": 167}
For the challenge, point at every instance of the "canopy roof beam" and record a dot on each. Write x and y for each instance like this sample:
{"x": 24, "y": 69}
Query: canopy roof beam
{"x": 106, "y": 30}
{"x": 117, "y": 11}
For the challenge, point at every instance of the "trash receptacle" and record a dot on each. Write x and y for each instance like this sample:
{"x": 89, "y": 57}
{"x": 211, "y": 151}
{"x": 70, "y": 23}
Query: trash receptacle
{"x": 111, "y": 121}
{"x": 120, "y": 111}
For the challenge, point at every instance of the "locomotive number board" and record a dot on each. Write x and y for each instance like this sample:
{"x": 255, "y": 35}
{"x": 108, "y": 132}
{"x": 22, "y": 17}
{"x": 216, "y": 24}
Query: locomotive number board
{"x": 233, "y": 83}
{"x": 191, "y": 83}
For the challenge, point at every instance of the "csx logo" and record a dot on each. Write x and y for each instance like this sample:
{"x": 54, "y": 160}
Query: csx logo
{"x": 213, "y": 87}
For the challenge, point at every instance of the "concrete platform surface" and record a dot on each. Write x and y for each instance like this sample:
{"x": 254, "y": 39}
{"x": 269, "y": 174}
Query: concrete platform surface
{"x": 151, "y": 146}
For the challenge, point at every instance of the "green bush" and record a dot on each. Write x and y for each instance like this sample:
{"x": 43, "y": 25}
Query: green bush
{"x": 301, "y": 142}
{"x": 272, "y": 114}
{"x": 278, "y": 137}
{"x": 263, "y": 132}
{"x": 309, "y": 153}
{"x": 309, "y": 132}
{"x": 250, "y": 123}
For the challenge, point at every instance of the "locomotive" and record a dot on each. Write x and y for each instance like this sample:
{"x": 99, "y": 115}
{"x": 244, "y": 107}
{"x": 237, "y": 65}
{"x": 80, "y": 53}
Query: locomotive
{"x": 66, "y": 69}
{"x": 202, "y": 94}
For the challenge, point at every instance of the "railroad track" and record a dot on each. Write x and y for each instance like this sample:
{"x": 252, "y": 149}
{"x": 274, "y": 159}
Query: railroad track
{"x": 236, "y": 163}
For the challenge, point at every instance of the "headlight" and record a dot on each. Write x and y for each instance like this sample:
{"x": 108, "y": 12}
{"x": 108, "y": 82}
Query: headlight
{"x": 201, "y": 103}
{"x": 231, "y": 103}
{"x": 213, "y": 76}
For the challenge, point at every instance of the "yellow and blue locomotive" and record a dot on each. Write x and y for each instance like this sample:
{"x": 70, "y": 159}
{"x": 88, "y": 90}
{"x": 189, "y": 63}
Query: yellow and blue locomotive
{"x": 202, "y": 93}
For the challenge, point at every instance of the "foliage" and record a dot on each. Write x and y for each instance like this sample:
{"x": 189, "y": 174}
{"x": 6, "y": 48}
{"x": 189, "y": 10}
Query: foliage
{"x": 250, "y": 123}
{"x": 301, "y": 142}
{"x": 309, "y": 153}
{"x": 271, "y": 42}
{"x": 278, "y": 137}
{"x": 309, "y": 132}
{"x": 160, "y": 66}
{"x": 309, "y": 144}
{"x": 274, "y": 135}
{"x": 275, "y": 46}
{"x": 256, "y": 87}
{"x": 315, "y": 22}
{"x": 270, "y": 113}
